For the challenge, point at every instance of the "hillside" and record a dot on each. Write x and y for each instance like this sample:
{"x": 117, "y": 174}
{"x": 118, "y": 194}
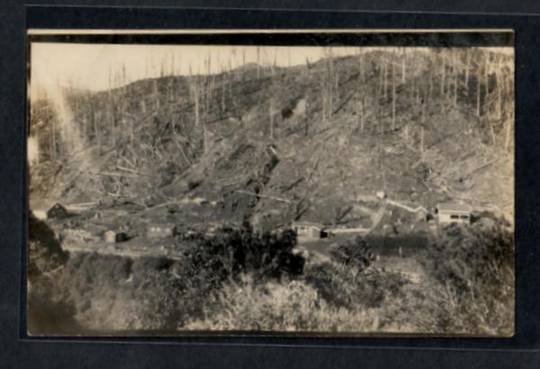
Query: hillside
{"x": 312, "y": 142}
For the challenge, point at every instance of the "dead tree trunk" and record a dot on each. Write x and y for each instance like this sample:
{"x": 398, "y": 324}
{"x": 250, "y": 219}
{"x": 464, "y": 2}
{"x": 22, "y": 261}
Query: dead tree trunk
{"x": 360, "y": 113}
{"x": 361, "y": 70}
{"x": 486, "y": 84}
{"x": 430, "y": 88}
{"x": 467, "y": 62}
{"x": 53, "y": 132}
{"x": 271, "y": 108}
{"x": 385, "y": 81}
{"x": 422, "y": 142}
{"x": 424, "y": 108}
{"x": 456, "y": 80}
{"x": 196, "y": 101}
{"x": 393, "y": 98}
{"x": 156, "y": 95}
{"x": 330, "y": 85}
{"x": 403, "y": 66}
{"x": 323, "y": 101}
{"x": 271, "y": 113}
{"x": 258, "y": 62}
{"x": 443, "y": 75}
{"x": 500, "y": 87}
{"x": 478, "y": 91}
{"x": 97, "y": 132}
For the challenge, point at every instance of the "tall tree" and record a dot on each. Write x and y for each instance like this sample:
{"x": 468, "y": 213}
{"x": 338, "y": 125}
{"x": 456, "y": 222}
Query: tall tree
{"x": 385, "y": 81}
{"x": 467, "y": 67}
{"x": 360, "y": 111}
{"x": 403, "y": 65}
{"x": 51, "y": 121}
{"x": 455, "y": 70}
{"x": 258, "y": 62}
{"x": 486, "y": 84}
{"x": 478, "y": 89}
{"x": 430, "y": 88}
{"x": 443, "y": 73}
{"x": 393, "y": 96}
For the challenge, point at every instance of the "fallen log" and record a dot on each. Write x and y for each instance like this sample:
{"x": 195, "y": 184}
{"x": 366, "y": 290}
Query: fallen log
{"x": 115, "y": 174}
{"x": 264, "y": 196}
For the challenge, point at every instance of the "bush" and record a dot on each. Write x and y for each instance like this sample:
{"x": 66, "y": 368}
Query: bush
{"x": 471, "y": 259}
{"x": 110, "y": 293}
{"x": 343, "y": 286}
{"x": 47, "y": 313}
{"x": 349, "y": 279}
{"x": 106, "y": 292}
{"x": 288, "y": 306}
{"x": 44, "y": 251}
{"x": 474, "y": 266}
{"x": 354, "y": 254}
{"x": 234, "y": 251}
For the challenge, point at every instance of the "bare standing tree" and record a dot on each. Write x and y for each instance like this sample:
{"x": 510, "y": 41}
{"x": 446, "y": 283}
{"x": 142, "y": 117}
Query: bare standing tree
{"x": 478, "y": 89}
{"x": 403, "y": 65}
{"x": 443, "y": 73}
{"x": 393, "y": 95}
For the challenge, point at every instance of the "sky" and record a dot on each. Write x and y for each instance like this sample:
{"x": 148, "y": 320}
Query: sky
{"x": 90, "y": 66}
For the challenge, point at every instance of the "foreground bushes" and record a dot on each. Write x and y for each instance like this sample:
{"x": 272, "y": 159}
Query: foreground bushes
{"x": 239, "y": 280}
{"x": 44, "y": 251}
{"x": 475, "y": 268}
{"x": 232, "y": 252}
{"x": 467, "y": 289}
{"x": 116, "y": 293}
{"x": 289, "y": 306}
{"x": 345, "y": 294}
{"x": 108, "y": 293}
{"x": 343, "y": 286}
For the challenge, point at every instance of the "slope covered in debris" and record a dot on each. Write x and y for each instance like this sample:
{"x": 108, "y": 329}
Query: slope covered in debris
{"x": 312, "y": 142}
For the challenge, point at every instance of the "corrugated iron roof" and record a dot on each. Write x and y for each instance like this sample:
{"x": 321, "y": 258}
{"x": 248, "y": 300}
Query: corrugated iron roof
{"x": 453, "y": 207}
{"x": 308, "y": 223}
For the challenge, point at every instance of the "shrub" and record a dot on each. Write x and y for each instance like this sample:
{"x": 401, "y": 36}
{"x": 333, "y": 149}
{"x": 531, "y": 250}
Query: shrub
{"x": 343, "y": 286}
{"x": 474, "y": 265}
{"x": 109, "y": 292}
{"x": 473, "y": 258}
{"x": 47, "y": 313}
{"x": 271, "y": 306}
{"x": 350, "y": 279}
{"x": 355, "y": 254}
{"x": 234, "y": 251}
{"x": 44, "y": 251}
{"x": 106, "y": 292}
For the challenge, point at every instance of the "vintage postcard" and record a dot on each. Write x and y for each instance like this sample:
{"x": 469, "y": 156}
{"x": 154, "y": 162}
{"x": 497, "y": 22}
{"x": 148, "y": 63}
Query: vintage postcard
{"x": 333, "y": 188}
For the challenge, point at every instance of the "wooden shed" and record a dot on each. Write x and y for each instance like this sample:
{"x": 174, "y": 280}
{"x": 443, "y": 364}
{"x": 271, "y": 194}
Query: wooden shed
{"x": 309, "y": 230}
{"x": 160, "y": 230}
{"x": 453, "y": 213}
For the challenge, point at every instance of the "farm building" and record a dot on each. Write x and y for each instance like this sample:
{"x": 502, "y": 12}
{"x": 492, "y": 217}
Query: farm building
{"x": 114, "y": 237}
{"x": 453, "y": 213}
{"x": 109, "y": 236}
{"x": 57, "y": 211}
{"x": 307, "y": 229}
{"x": 161, "y": 230}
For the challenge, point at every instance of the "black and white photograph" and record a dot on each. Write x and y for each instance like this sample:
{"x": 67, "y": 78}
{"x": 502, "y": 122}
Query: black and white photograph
{"x": 314, "y": 189}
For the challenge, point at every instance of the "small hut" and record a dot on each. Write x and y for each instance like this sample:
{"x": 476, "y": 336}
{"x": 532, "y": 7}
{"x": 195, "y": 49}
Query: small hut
{"x": 160, "y": 230}
{"x": 307, "y": 230}
{"x": 109, "y": 237}
{"x": 453, "y": 213}
{"x": 57, "y": 211}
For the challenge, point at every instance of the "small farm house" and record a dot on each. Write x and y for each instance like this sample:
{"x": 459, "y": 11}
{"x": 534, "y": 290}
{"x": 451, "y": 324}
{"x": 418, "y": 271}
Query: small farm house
{"x": 307, "y": 229}
{"x": 161, "y": 230}
{"x": 453, "y": 213}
